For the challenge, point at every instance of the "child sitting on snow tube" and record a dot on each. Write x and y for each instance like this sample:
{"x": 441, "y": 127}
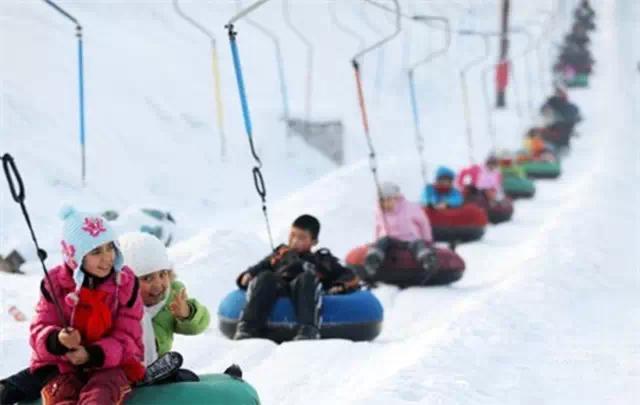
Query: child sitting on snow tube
{"x": 514, "y": 178}
{"x": 442, "y": 194}
{"x": 99, "y": 355}
{"x": 482, "y": 185}
{"x": 536, "y": 147}
{"x": 166, "y": 311}
{"x": 400, "y": 220}
{"x": 451, "y": 220}
{"x": 293, "y": 270}
{"x": 490, "y": 180}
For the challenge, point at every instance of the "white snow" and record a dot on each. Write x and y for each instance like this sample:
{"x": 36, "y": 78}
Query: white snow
{"x": 548, "y": 310}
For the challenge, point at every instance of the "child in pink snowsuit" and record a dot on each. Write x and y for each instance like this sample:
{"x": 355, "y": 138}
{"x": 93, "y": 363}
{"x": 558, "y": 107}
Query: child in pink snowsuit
{"x": 101, "y": 352}
{"x": 490, "y": 180}
{"x": 399, "y": 221}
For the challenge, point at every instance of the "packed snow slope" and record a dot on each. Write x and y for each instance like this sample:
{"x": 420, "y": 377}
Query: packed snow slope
{"x": 547, "y": 311}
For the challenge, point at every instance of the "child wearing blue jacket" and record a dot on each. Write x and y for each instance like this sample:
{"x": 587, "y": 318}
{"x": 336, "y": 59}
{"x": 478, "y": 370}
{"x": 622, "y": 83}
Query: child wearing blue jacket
{"x": 442, "y": 194}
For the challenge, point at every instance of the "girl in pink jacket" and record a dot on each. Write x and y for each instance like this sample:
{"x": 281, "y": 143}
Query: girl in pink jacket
{"x": 486, "y": 179}
{"x": 400, "y": 222}
{"x": 101, "y": 352}
{"x": 490, "y": 180}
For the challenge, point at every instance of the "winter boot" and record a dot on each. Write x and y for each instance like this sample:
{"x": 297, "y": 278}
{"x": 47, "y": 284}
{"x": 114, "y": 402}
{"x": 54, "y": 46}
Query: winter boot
{"x": 373, "y": 261}
{"x": 3, "y": 393}
{"x": 307, "y": 332}
{"x": 234, "y": 371}
{"x": 163, "y": 368}
{"x": 245, "y": 330}
{"x": 428, "y": 261}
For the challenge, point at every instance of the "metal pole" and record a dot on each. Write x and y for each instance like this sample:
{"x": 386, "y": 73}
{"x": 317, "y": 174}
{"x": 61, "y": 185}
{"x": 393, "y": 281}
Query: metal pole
{"x": 215, "y": 69}
{"x": 362, "y": 104}
{"x": 83, "y": 169}
{"x": 465, "y": 90}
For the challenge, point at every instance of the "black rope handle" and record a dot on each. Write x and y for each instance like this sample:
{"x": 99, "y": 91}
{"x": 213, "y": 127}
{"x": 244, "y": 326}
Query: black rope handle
{"x": 11, "y": 172}
{"x": 258, "y": 181}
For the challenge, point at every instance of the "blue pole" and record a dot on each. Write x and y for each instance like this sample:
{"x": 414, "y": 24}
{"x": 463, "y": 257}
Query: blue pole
{"x": 81, "y": 99}
{"x": 240, "y": 80}
{"x": 81, "y": 82}
{"x": 258, "y": 179}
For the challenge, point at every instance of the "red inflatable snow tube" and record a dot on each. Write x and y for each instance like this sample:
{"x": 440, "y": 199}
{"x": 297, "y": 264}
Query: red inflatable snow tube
{"x": 462, "y": 224}
{"x": 400, "y": 268}
{"x": 497, "y": 211}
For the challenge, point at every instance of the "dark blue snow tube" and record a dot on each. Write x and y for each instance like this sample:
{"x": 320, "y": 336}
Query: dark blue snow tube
{"x": 356, "y": 316}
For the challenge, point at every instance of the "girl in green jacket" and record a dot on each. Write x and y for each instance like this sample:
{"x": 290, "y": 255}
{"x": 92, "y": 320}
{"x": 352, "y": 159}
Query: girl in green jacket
{"x": 167, "y": 309}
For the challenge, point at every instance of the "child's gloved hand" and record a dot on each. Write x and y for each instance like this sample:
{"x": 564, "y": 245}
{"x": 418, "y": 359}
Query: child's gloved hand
{"x": 246, "y": 279}
{"x": 78, "y": 356}
{"x": 70, "y": 338}
{"x": 179, "y": 307}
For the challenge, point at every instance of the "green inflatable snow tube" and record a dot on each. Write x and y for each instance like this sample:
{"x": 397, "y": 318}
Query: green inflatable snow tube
{"x": 518, "y": 186}
{"x": 212, "y": 389}
{"x": 580, "y": 80}
{"x": 542, "y": 170}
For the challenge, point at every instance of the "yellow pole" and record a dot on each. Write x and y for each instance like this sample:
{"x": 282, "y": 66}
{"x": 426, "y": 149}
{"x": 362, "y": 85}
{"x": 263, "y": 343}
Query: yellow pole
{"x": 218, "y": 95}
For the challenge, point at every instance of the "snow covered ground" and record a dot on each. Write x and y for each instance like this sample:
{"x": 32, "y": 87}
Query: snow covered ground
{"x": 547, "y": 311}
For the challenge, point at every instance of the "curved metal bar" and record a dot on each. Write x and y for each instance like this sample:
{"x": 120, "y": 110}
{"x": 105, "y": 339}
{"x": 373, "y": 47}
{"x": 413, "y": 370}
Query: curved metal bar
{"x": 379, "y": 73}
{"x": 438, "y": 52}
{"x": 480, "y": 58}
{"x": 215, "y": 71}
{"x": 190, "y": 20}
{"x": 426, "y": 19}
{"x": 465, "y": 91}
{"x": 310, "y": 51}
{"x": 385, "y": 39}
{"x": 244, "y": 12}
{"x": 334, "y": 17}
{"x": 419, "y": 138}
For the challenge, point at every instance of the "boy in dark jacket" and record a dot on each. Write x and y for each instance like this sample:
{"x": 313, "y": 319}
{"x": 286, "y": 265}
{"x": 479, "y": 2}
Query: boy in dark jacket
{"x": 293, "y": 270}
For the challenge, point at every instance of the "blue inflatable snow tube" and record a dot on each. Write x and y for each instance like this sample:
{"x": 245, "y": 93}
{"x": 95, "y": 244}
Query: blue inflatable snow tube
{"x": 355, "y": 316}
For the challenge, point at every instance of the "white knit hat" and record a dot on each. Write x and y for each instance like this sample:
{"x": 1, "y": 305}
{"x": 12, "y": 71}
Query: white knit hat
{"x": 389, "y": 190}
{"x": 144, "y": 253}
